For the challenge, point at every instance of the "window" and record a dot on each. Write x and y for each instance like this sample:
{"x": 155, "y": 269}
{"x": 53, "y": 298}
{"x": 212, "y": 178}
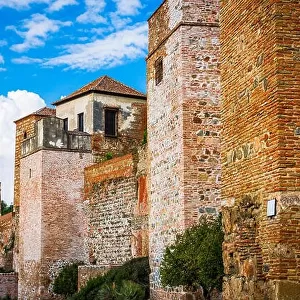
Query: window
{"x": 158, "y": 70}
{"x": 80, "y": 122}
{"x": 66, "y": 124}
{"x": 25, "y": 135}
{"x": 111, "y": 122}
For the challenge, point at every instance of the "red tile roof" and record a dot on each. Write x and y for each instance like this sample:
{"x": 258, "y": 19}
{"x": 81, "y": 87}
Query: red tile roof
{"x": 104, "y": 85}
{"x": 45, "y": 111}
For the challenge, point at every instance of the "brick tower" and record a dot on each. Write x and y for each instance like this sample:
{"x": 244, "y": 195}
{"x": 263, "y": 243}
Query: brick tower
{"x": 183, "y": 121}
{"x": 260, "y": 148}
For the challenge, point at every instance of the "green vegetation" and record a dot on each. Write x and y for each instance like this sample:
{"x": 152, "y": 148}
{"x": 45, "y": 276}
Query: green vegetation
{"x": 195, "y": 259}
{"x": 66, "y": 281}
{"x": 5, "y": 208}
{"x": 128, "y": 282}
{"x": 144, "y": 142}
{"x": 108, "y": 156}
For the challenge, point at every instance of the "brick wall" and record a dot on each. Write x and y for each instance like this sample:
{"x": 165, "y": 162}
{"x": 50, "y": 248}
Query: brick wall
{"x": 183, "y": 121}
{"x": 260, "y": 158}
{"x": 118, "y": 223}
{"x": 52, "y": 224}
{"x": 9, "y": 285}
{"x": 25, "y": 129}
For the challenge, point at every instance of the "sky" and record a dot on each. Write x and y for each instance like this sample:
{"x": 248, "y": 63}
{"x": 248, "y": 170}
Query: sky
{"x": 50, "y": 48}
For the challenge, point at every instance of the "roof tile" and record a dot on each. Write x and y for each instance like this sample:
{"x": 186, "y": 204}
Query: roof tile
{"x": 103, "y": 84}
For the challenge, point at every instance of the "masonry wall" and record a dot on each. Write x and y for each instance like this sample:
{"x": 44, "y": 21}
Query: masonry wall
{"x": 53, "y": 226}
{"x": 183, "y": 123}
{"x": 7, "y": 239}
{"x": 25, "y": 129}
{"x": 260, "y": 158}
{"x": 118, "y": 223}
{"x": 131, "y": 125}
{"x": 9, "y": 285}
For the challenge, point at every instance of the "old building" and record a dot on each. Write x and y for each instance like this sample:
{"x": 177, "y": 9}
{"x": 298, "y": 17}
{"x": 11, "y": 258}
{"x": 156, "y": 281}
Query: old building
{"x": 86, "y": 184}
{"x": 183, "y": 82}
{"x": 55, "y": 223}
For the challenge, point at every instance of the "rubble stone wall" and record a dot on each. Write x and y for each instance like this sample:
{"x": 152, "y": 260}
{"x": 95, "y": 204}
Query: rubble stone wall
{"x": 260, "y": 158}
{"x": 183, "y": 121}
{"x": 118, "y": 213}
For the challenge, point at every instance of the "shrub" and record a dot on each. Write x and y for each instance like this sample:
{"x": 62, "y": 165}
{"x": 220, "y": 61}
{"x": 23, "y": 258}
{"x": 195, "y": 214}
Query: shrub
{"x": 108, "y": 156}
{"x": 130, "y": 279}
{"x": 195, "y": 259}
{"x": 66, "y": 281}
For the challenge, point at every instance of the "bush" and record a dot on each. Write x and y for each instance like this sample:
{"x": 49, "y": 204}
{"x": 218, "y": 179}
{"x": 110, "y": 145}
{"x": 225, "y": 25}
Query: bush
{"x": 128, "y": 290}
{"x": 66, "y": 281}
{"x": 131, "y": 279}
{"x": 195, "y": 259}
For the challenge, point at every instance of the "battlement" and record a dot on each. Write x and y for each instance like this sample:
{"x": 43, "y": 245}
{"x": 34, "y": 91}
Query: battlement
{"x": 50, "y": 134}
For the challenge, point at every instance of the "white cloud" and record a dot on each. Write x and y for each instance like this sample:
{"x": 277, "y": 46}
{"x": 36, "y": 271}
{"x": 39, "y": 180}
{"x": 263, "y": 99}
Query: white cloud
{"x": 92, "y": 14}
{"x": 20, "y": 4}
{"x": 59, "y": 4}
{"x": 115, "y": 49}
{"x": 128, "y": 7}
{"x": 35, "y": 31}
{"x": 54, "y": 5}
{"x": 119, "y": 22}
{"x": 3, "y": 43}
{"x": 2, "y": 69}
{"x": 25, "y": 60}
{"x": 1, "y": 59}
{"x": 12, "y": 107}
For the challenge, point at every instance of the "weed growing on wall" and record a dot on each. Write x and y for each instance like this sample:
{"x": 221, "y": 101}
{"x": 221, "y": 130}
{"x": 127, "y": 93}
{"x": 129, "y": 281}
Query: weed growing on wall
{"x": 195, "y": 259}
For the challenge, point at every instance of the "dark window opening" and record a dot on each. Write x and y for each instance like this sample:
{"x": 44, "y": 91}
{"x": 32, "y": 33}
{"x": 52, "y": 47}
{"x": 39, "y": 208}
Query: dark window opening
{"x": 30, "y": 173}
{"x": 25, "y": 135}
{"x": 111, "y": 122}
{"x": 80, "y": 122}
{"x": 66, "y": 125}
{"x": 158, "y": 70}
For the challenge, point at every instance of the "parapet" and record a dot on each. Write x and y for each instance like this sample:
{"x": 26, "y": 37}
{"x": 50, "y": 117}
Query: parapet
{"x": 50, "y": 134}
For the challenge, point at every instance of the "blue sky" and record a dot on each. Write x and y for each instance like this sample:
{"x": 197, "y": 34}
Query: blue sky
{"x": 50, "y": 48}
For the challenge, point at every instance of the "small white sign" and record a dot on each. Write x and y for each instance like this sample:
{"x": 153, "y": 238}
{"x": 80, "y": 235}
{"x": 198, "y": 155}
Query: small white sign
{"x": 271, "y": 208}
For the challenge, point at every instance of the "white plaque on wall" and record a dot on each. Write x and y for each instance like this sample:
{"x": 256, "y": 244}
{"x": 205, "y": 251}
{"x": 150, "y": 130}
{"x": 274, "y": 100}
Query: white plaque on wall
{"x": 271, "y": 208}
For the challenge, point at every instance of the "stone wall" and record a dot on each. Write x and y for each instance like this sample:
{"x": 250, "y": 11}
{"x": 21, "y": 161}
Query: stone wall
{"x": 52, "y": 218}
{"x": 131, "y": 127}
{"x": 183, "y": 121}
{"x": 260, "y": 158}
{"x": 9, "y": 285}
{"x": 118, "y": 223}
{"x": 7, "y": 239}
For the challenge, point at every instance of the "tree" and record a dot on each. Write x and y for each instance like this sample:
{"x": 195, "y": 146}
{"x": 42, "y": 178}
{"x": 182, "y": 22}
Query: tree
{"x": 195, "y": 258}
{"x": 5, "y": 209}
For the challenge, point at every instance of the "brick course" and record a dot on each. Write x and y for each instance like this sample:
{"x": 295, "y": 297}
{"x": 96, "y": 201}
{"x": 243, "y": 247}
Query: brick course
{"x": 52, "y": 224}
{"x": 260, "y": 157}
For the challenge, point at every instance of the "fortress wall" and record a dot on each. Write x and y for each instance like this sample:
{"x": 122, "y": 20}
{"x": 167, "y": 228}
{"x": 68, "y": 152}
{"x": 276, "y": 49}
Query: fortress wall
{"x": 183, "y": 122}
{"x": 260, "y": 148}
